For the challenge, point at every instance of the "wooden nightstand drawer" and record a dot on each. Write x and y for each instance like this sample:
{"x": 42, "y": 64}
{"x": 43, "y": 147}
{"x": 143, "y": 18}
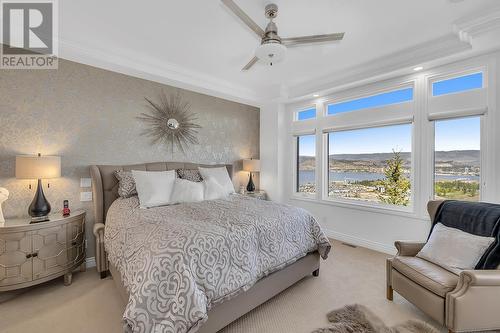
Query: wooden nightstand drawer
{"x": 38, "y": 252}
{"x": 76, "y": 242}
{"x": 15, "y": 260}
{"x": 49, "y": 251}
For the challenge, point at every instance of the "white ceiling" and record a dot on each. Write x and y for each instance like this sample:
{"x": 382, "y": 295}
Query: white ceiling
{"x": 201, "y": 41}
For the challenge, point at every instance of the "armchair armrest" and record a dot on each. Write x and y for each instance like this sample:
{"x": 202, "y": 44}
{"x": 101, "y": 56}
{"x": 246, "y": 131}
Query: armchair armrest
{"x": 101, "y": 258}
{"x": 406, "y": 248}
{"x": 481, "y": 277}
{"x": 474, "y": 303}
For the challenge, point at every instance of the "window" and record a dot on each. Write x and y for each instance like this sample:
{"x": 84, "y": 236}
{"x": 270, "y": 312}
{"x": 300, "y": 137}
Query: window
{"x": 372, "y": 164}
{"x": 306, "y": 114}
{"x": 393, "y": 97}
{"x": 458, "y": 84}
{"x": 306, "y": 164}
{"x": 390, "y": 149}
{"x": 457, "y": 159}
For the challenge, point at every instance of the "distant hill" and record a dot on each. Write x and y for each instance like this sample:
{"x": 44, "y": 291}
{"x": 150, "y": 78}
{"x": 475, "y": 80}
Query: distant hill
{"x": 471, "y": 157}
{"x": 379, "y": 157}
{"x": 454, "y": 157}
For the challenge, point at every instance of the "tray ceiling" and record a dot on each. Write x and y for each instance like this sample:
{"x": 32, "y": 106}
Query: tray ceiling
{"x": 201, "y": 43}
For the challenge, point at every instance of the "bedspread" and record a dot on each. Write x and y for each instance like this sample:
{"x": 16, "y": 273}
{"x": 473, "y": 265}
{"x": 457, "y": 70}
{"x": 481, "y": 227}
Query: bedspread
{"x": 178, "y": 261}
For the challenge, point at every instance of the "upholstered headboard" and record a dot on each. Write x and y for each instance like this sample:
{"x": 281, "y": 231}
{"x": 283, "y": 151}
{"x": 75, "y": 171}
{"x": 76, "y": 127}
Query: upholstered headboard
{"x": 105, "y": 184}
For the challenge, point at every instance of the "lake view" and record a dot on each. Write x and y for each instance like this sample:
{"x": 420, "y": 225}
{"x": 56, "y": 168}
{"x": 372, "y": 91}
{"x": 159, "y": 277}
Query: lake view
{"x": 307, "y": 176}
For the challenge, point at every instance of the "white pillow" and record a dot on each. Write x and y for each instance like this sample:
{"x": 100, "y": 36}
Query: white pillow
{"x": 454, "y": 249}
{"x": 213, "y": 190}
{"x": 187, "y": 191}
{"x": 220, "y": 175}
{"x": 154, "y": 188}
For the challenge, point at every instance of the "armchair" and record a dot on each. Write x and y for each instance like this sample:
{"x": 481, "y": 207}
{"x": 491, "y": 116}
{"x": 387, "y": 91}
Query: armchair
{"x": 466, "y": 302}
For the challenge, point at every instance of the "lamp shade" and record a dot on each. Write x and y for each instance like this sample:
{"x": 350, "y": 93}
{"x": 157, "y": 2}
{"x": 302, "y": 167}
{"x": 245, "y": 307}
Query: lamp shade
{"x": 38, "y": 167}
{"x": 251, "y": 165}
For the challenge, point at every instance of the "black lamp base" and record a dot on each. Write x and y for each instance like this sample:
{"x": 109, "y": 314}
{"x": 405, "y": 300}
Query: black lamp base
{"x": 251, "y": 185}
{"x": 40, "y": 208}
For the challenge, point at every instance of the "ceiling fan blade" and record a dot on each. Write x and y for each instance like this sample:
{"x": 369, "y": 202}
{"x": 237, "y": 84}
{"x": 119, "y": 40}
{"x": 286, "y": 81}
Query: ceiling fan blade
{"x": 250, "y": 64}
{"x": 244, "y": 17}
{"x": 312, "y": 39}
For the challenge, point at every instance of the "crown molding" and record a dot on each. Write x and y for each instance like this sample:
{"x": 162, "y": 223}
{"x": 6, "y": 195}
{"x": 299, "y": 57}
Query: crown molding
{"x": 453, "y": 45}
{"x": 385, "y": 66}
{"x": 475, "y": 25}
{"x": 157, "y": 71}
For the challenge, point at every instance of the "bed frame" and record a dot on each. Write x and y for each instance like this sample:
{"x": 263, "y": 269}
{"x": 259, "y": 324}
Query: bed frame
{"x": 105, "y": 191}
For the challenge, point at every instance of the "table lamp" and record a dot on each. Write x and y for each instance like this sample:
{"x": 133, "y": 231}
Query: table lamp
{"x": 251, "y": 165}
{"x": 38, "y": 167}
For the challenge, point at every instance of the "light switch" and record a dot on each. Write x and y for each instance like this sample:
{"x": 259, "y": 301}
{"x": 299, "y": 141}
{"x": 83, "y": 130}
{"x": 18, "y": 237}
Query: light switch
{"x": 85, "y": 182}
{"x": 85, "y": 196}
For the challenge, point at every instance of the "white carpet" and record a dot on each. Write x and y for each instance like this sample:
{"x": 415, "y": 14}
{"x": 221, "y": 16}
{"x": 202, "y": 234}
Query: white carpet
{"x": 350, "y": 275}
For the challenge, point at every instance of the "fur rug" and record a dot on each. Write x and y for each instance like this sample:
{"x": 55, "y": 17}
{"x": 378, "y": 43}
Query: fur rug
{"x": 358, "y": 319}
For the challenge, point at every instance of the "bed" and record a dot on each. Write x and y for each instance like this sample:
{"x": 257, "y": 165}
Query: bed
{"x": 197, "y": 267}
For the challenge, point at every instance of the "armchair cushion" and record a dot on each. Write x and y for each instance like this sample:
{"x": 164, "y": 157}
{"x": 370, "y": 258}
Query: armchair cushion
{"x": 428, "y": 275}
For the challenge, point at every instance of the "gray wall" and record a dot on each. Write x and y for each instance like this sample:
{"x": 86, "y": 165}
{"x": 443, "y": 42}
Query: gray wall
{"x": 88, "y": 116}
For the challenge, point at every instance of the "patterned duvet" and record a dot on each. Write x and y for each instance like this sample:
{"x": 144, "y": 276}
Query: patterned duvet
{"x": 178, "y": 261}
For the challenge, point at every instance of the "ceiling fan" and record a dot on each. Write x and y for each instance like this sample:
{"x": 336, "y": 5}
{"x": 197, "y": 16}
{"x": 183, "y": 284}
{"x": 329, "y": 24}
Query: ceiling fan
{"x": 273, "y": 48}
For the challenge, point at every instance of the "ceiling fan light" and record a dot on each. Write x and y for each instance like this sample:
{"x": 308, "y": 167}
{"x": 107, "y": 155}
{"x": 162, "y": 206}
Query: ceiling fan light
{"x": 271, "y": 53}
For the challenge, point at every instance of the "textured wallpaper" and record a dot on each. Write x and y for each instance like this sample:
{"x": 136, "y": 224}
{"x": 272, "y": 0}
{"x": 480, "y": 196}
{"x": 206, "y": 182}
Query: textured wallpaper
{"x": 88, "y": 116}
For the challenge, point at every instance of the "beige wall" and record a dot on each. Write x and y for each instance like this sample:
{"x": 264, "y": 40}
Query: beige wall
{"x": 88, "y": 116}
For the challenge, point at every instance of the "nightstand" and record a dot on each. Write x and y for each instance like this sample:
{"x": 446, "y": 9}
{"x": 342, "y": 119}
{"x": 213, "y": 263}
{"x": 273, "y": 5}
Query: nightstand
{"x": 32, "y": 253}
{"x": 257, "y": 194}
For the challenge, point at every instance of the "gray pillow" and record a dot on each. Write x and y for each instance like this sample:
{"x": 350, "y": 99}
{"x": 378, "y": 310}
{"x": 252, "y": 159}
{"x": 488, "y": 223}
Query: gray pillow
{"x": 191, "y": 175}
{"x": 126, "y": 184}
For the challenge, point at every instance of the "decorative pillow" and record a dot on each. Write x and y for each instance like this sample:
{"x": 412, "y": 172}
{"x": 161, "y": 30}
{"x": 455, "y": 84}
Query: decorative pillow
{"x": 454, "y": 249}
{"x": 154, "y": 187}
{"x": 191, "y": 175}
{"x": 187, "y": 191}
{"x": 126, "y": 184}
{"x": 214, "y": 190}
{"x": 220, "y": 175}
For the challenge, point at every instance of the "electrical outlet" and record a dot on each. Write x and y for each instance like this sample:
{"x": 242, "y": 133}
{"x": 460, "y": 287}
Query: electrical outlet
{"x": 85, "y": 196}
{"x": 85, "y": 244}
{"x": 85, "y": 182}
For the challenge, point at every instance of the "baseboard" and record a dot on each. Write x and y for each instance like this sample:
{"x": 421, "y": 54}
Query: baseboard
{"x": 90, "y": 262}
{"x": 376, "y": 246}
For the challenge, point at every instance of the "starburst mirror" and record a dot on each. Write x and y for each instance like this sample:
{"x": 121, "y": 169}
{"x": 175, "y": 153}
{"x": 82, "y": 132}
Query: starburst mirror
{"x": 171, "y": 122}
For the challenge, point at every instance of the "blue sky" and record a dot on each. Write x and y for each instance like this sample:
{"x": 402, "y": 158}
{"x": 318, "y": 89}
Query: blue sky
{"x": 392, "y": 97}
{"x": 456, "y": 134}
{"x": 371, "y": 140}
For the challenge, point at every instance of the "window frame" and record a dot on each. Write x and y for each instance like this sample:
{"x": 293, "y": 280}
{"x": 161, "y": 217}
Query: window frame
{"x": 454, "y": 71}
{"x": 482, "y": 129}
{"x": 363, "y": 93}
{"x": 305, "y": 108}
{"x": 295, "y": 167}
{"x": 378, "y": 205}
{"x": 423, "y": 138}
{"x": 455, "y": 75}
